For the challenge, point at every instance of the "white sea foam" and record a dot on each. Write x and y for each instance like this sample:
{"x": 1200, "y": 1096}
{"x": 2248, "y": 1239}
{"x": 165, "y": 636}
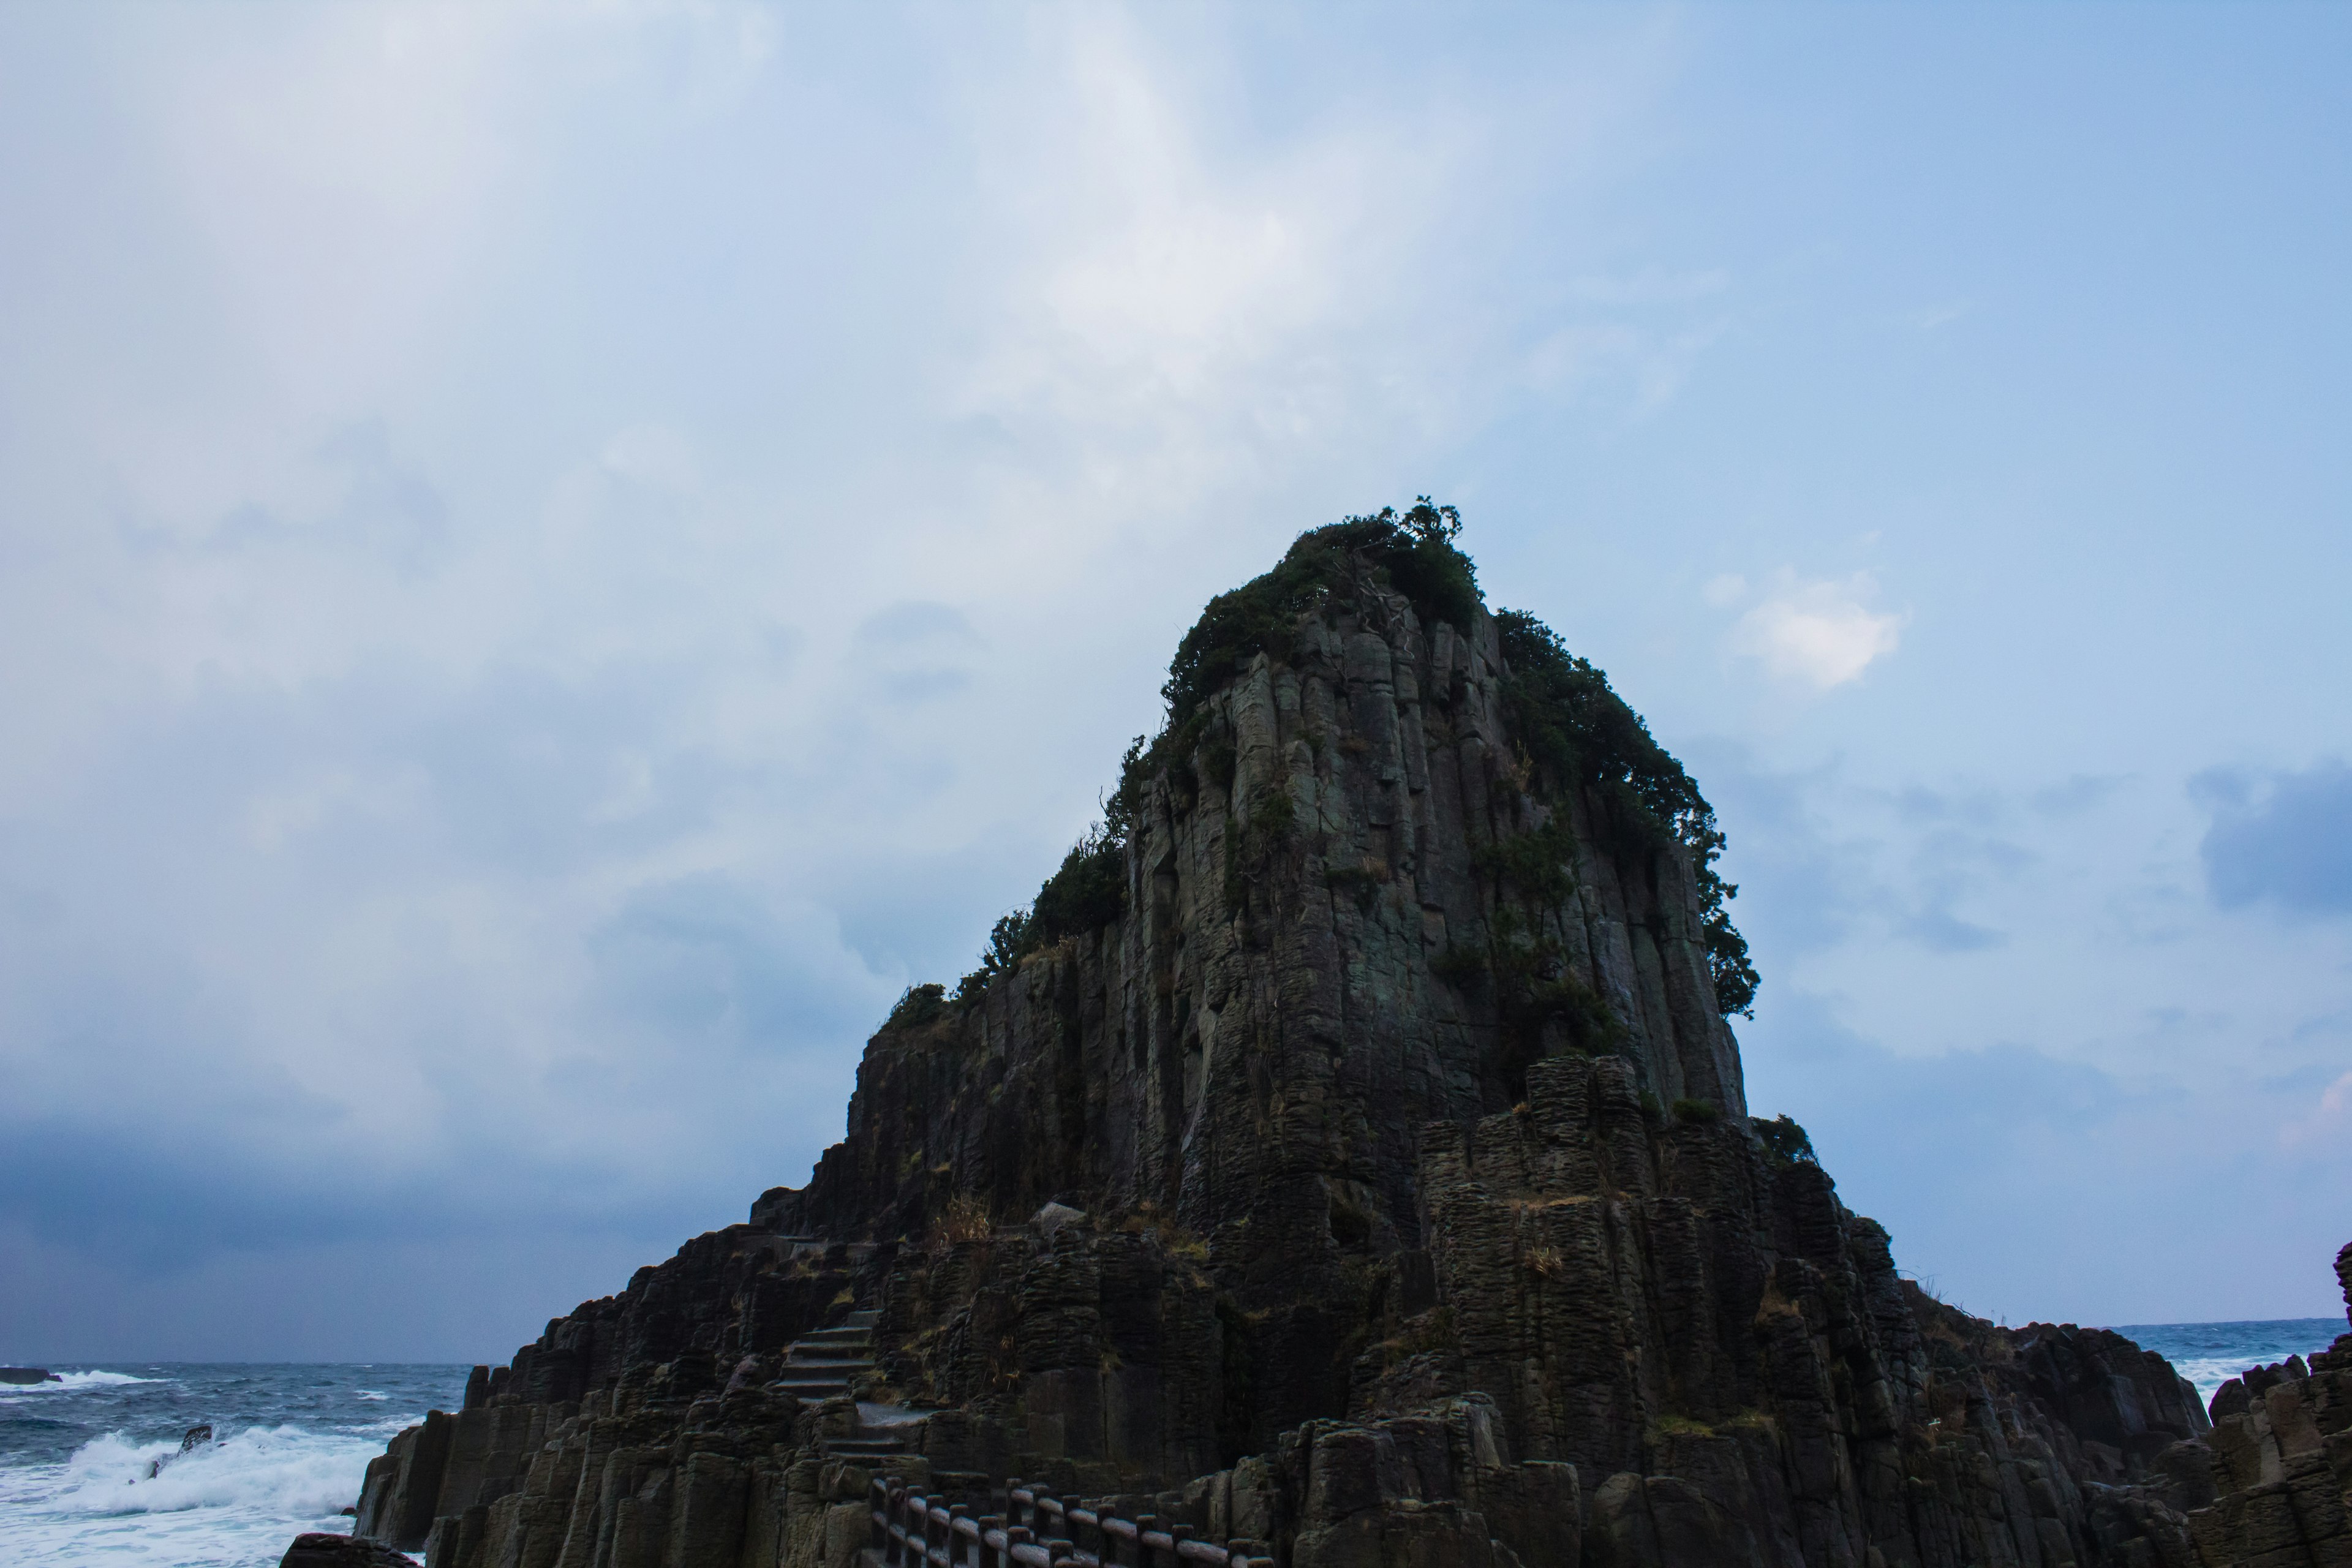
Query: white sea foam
{"x": 67, "y": 1382}
{"x": 234, "y": 1501}
{"x": 2209, "y": 1372}
{"x": 369, "y": 1393}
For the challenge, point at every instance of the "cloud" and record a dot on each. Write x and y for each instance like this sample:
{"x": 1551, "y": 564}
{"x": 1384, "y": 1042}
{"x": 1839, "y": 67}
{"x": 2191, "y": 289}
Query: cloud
{"x": 559, "y": 556}
{"x": 1819, "y": 634}
{"x": 1979, "y": 1161}
{"x": 2281, "y": 838}
{"x": 2329, "y": 1122}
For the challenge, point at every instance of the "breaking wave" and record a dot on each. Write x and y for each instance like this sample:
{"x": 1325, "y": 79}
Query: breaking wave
{"x": 283, "y": 1470}
{"x": 67, "y": 1382}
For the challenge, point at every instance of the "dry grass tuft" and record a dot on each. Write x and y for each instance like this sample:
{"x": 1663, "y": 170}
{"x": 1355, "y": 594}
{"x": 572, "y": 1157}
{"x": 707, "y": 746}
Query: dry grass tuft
{"x": 965, "y": 1219}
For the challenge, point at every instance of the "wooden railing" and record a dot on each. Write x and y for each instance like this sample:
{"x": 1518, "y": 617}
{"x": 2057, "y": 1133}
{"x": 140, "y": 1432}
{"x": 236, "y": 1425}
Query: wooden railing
{"x": 1037, "y": 1530}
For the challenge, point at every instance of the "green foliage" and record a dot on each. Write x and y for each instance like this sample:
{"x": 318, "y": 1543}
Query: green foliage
{"x": 1784, "y": 1140}
{"x": 1535, "y": 864}
{"x": 1701, "y": 1111}
{"x": 921, "y": 1004}
{"x": 1413, "y": 554}
{"x": 1579, "y": 732}
{"x": 1086, "y": 894}
{"x": 1728, "y": 964}
{"x": 1219, "y": 761}
{"x": 1250, "y": 851}
{"x": 1121, "y": 807}
{"x": 1576, "y": 731}
{"x": 1534, "y": 990}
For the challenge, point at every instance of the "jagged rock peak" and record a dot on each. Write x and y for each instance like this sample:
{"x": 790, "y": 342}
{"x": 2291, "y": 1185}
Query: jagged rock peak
{"x": 1387, "y": 851}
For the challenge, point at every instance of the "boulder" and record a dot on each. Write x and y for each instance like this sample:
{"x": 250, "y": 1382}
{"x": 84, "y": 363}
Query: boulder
{"x": 319, "y": 1550}
{"x": 27, "y": 1375}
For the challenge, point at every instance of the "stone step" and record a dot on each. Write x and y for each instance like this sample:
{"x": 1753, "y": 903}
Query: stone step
{"x": 822, "y": 1363}
{"x": 873, "y": 1447}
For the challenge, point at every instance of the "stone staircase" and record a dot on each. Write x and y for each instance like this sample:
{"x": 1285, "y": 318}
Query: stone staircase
{"x": 824, "y": 1364}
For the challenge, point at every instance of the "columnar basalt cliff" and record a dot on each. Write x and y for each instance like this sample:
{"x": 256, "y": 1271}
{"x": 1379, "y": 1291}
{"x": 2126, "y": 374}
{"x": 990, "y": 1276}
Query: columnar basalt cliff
{"x": 1347, "y": 1152}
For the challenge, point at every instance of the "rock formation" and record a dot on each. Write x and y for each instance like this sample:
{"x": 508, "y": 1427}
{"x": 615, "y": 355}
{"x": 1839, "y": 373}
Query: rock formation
{"x": 2279, "y": 1489}
{"x": 1348, "y": 1152}
{"x": 322, "y": 1551}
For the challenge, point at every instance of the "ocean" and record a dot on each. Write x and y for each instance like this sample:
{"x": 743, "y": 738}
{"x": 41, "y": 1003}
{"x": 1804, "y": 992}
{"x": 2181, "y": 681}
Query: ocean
{"x": 292, "y": 1443}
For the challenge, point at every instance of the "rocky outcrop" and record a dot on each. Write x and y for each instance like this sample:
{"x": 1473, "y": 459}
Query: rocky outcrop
{"x": 1703, "y": 1330}
{"x": 619, "y": 1380}
{"x": 323, "y": 1551}
{"x": 1372, "y": 1179}
{"x": 2280, "y": 1485}
{"x": 27, "y": 1375}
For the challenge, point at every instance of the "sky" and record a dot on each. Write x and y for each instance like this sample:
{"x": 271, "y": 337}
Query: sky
{"x": 554, "y": 557}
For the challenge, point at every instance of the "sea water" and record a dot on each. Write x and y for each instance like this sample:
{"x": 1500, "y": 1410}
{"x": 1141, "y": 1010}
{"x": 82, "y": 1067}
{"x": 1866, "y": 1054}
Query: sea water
{"x": 290, "y": 1444}
{"x": 291, "y": 1441}
{"x": 2210, "y": 1354}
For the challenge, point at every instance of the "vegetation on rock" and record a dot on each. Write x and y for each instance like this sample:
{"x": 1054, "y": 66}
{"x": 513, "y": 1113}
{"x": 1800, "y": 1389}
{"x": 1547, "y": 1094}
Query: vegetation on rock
{"x": 1784, "y": 1139}
{"x": 1577, "y": 733}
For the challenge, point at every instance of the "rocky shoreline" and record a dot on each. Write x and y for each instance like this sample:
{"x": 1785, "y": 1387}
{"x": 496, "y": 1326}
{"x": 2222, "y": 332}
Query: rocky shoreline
{"x": 1375, "y": 1184}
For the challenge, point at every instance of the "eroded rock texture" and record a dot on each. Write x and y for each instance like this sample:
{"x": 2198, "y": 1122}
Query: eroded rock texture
{"x": 2280, "y": 1480}
{"x": 1379, "y": 1185}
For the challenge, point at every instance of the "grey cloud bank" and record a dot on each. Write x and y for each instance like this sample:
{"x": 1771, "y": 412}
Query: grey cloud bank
{"x": 2285, "y": 839}
{"x": 552, "y": 559}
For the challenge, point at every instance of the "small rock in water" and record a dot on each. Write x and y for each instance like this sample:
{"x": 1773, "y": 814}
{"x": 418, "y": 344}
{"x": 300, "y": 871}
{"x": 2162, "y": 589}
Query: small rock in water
{"x": 321, "y": 1551}
{"x": 28, "y": 1375}
{"x": 196, "y": 1437}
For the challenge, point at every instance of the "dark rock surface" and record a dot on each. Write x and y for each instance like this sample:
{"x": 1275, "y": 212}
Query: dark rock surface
{"x": 1378, "y": 1185}
{"x": 341, "y": 1551}
{"x": 27, "y": 1375}
{"x": 2280, "y": 1488}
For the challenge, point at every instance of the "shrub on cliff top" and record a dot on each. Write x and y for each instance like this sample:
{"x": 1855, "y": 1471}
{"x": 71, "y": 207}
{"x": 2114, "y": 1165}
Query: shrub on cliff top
{"x": 1784, "y": 1140}
{"x": 1413, "y": 553}
{"x": 1086, "y": 894}
{"x": 919, "y": 1005}
{"x": 1577, "y": 732}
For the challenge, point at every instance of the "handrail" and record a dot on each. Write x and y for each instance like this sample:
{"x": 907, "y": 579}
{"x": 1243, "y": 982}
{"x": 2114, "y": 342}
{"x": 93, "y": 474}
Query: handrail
{"x": 912, "y": 1530}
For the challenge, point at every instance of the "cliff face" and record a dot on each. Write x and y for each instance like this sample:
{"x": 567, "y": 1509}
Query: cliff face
{"x": 1316, "y": 891}
{"x": 1379, "y": 1173}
